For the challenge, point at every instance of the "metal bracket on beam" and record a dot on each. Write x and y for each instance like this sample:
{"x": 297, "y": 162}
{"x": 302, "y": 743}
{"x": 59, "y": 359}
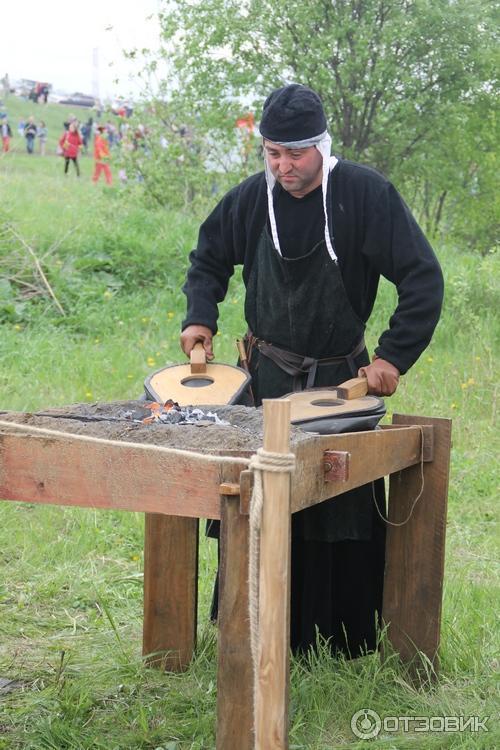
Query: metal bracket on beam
{"x": 336, "y": 466}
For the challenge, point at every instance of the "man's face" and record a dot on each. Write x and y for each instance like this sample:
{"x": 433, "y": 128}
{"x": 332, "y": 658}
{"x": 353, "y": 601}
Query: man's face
{"x": 298, "y": 170}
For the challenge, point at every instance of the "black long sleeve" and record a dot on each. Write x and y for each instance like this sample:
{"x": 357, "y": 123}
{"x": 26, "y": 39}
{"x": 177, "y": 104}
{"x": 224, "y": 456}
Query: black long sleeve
{"x": 374, "y": 234}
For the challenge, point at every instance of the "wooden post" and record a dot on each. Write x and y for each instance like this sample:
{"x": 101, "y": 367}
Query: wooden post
{"x": 413, "y": 584}
{"x": 271, "y": 709}
{"x": 234, "y": 673}
{"x": 170, "y": 590}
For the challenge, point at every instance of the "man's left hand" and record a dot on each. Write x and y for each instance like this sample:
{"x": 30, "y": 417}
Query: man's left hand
{"x": 383, "y": 378}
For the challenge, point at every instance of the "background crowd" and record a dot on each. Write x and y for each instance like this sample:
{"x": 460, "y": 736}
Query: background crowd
{"x": 77, "y": 138}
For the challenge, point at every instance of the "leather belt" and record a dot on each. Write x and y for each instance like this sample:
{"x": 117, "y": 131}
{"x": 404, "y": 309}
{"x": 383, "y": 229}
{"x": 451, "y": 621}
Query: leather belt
{"x": 298, "y": 365}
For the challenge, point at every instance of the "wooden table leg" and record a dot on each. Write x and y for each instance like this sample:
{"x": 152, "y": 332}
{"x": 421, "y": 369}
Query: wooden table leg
{"x": 271, "y": 699}
{"x": 170, "y": 590}
{"x": 234, "y": 674}
{"x": 413, "y": 584}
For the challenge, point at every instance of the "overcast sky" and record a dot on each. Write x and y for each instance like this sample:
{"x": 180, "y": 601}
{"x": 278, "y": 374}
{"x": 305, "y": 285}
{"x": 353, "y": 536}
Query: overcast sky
{"x": 54, "y": 41}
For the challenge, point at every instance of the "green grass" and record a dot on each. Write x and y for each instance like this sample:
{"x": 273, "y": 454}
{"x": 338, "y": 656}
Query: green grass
{"x": 71, "y": 589}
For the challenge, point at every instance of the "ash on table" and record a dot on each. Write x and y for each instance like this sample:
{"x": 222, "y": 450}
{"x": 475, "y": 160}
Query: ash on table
{"x": 171, "y": 413}
{"x": 241, "y": 428}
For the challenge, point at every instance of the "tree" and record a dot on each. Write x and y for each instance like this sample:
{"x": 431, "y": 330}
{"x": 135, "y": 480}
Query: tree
{"x": 390, "y": 72}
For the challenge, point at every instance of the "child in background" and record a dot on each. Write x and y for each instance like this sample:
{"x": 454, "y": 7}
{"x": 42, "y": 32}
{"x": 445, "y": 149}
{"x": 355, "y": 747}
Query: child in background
{"x": 101, "y": 156}
{"x": 30, "y": 134}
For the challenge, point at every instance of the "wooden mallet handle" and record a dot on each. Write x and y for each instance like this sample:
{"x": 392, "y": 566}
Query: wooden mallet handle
{"x": 198, "y": 358}
{"x": 354, "y": 388}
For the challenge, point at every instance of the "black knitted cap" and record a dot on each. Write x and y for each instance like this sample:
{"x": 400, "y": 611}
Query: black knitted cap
{"x": 292, "y": 113}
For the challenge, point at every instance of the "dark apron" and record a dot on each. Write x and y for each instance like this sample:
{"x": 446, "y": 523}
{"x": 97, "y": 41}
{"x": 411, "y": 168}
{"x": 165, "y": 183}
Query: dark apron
{"x": 300, "y": 305}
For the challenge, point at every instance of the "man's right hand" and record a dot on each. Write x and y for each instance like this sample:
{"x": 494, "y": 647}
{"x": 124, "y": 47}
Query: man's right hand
{"x": 192, "y": 334}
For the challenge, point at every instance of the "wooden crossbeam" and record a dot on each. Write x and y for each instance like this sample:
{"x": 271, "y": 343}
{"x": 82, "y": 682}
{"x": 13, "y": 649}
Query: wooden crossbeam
{"x": 373, "y": 455}
{"x": 69, "y": 469}
{"x": 76, "y": 470}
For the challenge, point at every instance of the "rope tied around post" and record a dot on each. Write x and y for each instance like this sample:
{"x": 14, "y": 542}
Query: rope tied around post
{"x": 261, "y": 461}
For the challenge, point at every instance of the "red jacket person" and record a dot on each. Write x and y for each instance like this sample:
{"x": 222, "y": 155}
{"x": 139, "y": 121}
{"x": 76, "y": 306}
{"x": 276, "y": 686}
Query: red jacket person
{"x": 71, "y": 143}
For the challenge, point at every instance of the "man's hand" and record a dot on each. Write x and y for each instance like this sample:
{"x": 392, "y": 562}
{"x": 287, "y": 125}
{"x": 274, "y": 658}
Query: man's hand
{"x": 383, "y": 378}
{"x": 192, "y": 334}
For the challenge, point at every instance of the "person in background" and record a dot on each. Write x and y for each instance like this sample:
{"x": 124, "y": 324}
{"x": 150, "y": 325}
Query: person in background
{"x": 101, "y": 156}
{"x": 67, "y": 123}
{"x": 30, "y": 134}
{"x": 314, "y": 234}
{"x": 6, "y": 131}
{"x": 71, "y": 143}
{"x": 112, "y": 134}
{"x": 87, "y": 130}
{"x": 42, "y": 137}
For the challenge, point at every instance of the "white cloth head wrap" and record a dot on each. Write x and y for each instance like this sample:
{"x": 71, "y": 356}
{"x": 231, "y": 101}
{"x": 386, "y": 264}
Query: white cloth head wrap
{"x": 323, "y": 143}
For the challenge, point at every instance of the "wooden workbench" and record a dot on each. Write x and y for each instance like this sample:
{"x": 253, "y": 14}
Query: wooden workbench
{"x": 176, "y": 488}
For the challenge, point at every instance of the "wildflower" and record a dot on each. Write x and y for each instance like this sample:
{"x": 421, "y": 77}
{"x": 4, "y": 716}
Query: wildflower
{"x": 17, "y": 327}
{"x": 463, "y": 386}
{"x": 430, "y": 359}
{"x": 107, "y": 294}
{"x": 88, "y": 394}
{"x": 453, "y": 405}
{"x": 129, "y": 376}
{"x": 478, "y": 359}
{"x": 151, "y": 361}
{"x": 97, "y": 341}
{"x": 134, "y": 557}
{"x": 471, "y": 381}
{"x": 144, "y": 320}
{"x": 170, "y": 315}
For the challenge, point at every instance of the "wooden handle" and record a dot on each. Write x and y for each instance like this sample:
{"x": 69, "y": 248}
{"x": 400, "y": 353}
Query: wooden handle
{"x": 242, "y": 354}
{"x": 354, "y": 388}
{"x": 198, "y": 358}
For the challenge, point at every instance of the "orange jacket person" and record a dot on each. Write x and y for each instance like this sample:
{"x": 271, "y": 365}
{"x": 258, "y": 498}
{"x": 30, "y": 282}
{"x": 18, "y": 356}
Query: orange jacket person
{"x": 101, "y": 156}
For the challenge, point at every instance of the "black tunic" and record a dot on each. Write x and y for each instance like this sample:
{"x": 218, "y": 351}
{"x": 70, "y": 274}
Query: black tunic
{"x": 375, "y": 234}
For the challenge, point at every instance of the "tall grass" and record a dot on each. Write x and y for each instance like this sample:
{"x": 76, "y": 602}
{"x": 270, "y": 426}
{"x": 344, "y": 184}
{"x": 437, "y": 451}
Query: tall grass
{"x": 71, "y": 593}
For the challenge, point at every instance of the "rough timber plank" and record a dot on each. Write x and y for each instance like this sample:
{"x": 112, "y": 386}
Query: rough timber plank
{"x": 413, "y": 585}
{"x": 374, "y": 454}
{"x": 234, "y": 673}
{"x": 38, "y": 467}
{"x": 170, "y": 590}
{"x": 273, "y": 669}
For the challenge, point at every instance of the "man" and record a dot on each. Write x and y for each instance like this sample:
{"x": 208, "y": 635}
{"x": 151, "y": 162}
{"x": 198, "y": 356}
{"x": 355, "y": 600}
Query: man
{"x": 314, "y": 234}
